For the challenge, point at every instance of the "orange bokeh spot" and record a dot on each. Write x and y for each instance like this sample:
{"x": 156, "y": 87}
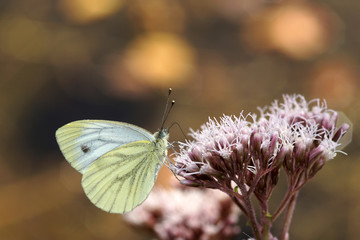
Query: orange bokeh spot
{"x": 157, "y": 58}
{"x": 153, "y": 60}
{"x": 300, "y": 31}
{"x": 336, "y": 81}
{"x": 83, "y": 11}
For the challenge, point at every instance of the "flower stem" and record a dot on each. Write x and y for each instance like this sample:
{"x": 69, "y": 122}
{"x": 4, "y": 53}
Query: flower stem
{"x": 282, "y": 206}
{"x": 284, "y": 203}
{"x": 288, "y": 216}
{"x": 238, "y": 200}
{"x": 252, "y": 216}
{"x": 266, "y": 222}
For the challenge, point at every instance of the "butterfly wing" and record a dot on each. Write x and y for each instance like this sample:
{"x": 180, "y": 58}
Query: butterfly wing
{"x": 84, "y": 141}
{"x": 123, "y": 178}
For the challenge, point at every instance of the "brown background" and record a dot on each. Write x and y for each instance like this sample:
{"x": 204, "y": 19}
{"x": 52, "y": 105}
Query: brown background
{"x": 67, "y": 60}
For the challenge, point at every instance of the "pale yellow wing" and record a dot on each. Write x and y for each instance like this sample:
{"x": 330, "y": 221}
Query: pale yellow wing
{"x": 122, "y": 179}
{"x": 84, "y": 141}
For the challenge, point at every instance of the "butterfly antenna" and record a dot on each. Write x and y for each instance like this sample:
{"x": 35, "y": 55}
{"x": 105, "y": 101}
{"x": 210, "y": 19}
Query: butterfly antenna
{"x": 177, "y": 124}
{"x": 171, "y": 106}
{"x": 167, "y": 111}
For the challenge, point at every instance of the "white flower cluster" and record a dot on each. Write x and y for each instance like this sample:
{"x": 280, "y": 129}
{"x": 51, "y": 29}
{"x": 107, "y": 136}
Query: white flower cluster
{"x": 187, "y": 214}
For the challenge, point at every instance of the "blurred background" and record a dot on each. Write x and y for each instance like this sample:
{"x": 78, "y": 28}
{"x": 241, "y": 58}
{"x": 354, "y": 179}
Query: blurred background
{"x": 66, "y": 60}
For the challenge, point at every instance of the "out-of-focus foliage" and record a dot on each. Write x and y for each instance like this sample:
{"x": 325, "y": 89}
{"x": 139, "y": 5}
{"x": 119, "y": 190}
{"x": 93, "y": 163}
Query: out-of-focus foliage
{"x": 65, "y": 60}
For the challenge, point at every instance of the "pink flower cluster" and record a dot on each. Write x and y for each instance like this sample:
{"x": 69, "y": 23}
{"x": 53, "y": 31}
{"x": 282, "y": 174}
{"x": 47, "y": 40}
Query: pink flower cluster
{"x": 242, "y": 156}
{"x": 187, "y": 214}
{"x": 295, "y": 134}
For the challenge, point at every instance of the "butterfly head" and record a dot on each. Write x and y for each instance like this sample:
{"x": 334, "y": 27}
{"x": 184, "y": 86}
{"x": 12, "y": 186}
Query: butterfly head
{"x": 162, "y": 134}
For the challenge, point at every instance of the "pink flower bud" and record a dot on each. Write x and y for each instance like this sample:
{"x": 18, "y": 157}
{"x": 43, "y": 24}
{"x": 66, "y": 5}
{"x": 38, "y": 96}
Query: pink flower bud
{"x": 340, "y": 132}
{"x": 190, "y": 183}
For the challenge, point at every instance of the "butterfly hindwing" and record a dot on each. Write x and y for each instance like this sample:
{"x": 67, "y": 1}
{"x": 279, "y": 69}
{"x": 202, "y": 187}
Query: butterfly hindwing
{"x": 122, "y": 179}
{"x": 84, "y": 141}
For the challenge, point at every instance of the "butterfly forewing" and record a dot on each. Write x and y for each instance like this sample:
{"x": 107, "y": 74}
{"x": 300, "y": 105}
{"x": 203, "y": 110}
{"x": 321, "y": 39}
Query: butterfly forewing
{"x": 122, "y": 179}
{"x": 84, "y": 141}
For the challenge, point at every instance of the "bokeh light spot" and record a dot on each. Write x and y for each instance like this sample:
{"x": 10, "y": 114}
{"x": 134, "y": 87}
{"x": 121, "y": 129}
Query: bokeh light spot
{"x": 84, "y": 11}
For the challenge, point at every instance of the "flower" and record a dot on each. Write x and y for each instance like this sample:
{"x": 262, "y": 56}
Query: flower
{"x": 296, "y": 134}
{"x": 187, "y": 214}
{"x": 242, "y": 156}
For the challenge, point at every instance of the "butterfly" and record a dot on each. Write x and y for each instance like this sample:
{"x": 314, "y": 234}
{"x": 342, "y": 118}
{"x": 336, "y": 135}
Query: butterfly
{"x": 119, "y": 162}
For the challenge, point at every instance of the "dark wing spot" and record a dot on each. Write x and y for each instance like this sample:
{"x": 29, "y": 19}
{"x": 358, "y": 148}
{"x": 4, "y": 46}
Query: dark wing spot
{"x": 84, "y": 148}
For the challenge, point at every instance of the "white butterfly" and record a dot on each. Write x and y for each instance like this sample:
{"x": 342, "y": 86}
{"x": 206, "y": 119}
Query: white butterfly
{"x": 119, "y": 161}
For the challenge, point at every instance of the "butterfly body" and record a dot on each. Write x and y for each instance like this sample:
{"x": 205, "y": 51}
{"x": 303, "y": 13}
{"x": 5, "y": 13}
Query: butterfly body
{"x": 119, "y": 161}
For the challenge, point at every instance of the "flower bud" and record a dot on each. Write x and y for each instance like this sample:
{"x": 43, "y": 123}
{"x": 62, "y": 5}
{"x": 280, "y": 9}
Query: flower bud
{"x": 288, "y": 159}
{"x": 207, "y": 170}
{"x": 279, "y": 158}
{"x": 300, "y": 148}
{"x": 316, "y": 167}
{"x": 273, "y": 144}
{"x": 255, "y": 142}
{"x": 249, "y": 177}
{"x": 275, "y": 176}
{"x": 190, "y": 183}
{"x": 187, "y": 176}
{"x": 261, "y": 185}
{"x": 195, "y": 154}
{"x": 192, "y": 167}
{"x": 213, "y": 160}
{"x": 326, "y": 122}
{"x": 316, "y": 153}
{"x": 340, "y": 132}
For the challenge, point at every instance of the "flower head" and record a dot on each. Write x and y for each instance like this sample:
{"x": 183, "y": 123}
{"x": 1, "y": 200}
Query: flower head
{"x": 187, "y": 214}
{"x": 296, "y": 134}
{"x": 242, "y": 156}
